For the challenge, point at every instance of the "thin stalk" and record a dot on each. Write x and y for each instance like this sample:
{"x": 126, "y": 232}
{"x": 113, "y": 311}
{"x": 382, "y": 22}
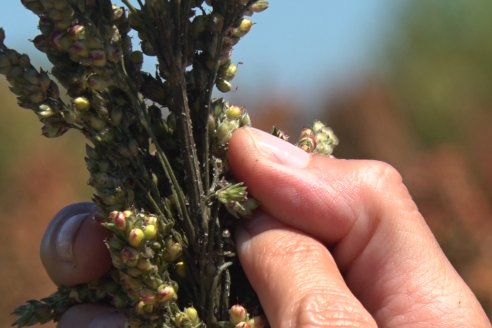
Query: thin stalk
{"x": 166, "y": 165}
{"x": 226, "y": 293}
{"x": 130, "y": 6}
{"x": 190, "y": 158}
{"x": 215, "y": 284}
{"x": 180, "y": 106}
{"x": 178, "y": 193}
{"x": 149, "y": 196}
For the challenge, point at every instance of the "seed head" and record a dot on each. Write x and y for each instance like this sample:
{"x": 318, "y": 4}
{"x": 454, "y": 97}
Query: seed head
{"x": 98, "y": 58}
{"x": 245, "y": 120}
{"x": 150, "y": 219}
{"x": 259, "y": 6}
{"x": 230, "y": 72}
{"x": 77, "y": 32}
{"x": 150, "y": 231}
{"x": 120, "y": 221}
{"x": 225, "y": 130}
{"x": 45, "y": 111}
{"x": 165, "y": 293}
{"x": 142, "y": 308}
{"x": 237, "y": 314}
{"x": 307, "y": 140}
{"x": 147, "y": 296}
{"x": 144, "y": 264}
{"x": 192, "y": 315}
{"x": 223, "y": 85}
{"x": 172, "y": 252}
{"x": 129, "y": 256}
{"x": 234, "y": 112}
{"x": 136, "y": 237}
{"x": 81, "y": 104}
{"x": 243, "y": 28}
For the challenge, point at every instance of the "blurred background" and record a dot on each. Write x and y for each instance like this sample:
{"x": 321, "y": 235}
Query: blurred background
{"x": 406, "y": 82}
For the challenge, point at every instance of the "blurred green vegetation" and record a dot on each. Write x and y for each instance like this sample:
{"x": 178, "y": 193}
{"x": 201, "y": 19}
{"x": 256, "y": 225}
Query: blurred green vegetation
{"x": 439, "y": 65}
{"x": 20, "y": 134}
{"x": 38, "y": 176}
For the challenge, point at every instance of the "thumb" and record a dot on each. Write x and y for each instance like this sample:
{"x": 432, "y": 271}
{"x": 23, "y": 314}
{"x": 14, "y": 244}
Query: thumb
{"x": 73, "y": 249}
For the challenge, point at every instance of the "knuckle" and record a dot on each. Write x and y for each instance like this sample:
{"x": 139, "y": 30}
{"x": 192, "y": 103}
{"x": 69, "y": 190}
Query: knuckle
{"x": 331, "y": 309}
{"x": 378, "y": 176}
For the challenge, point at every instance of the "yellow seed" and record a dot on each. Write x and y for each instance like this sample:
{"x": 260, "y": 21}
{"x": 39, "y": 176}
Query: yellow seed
{"x": 150, "y": 219}
{"x": 181, "y": 320}
{"x": 150, "y": 231}
{"x": 165, "y": 293}
{"x": 142, "y": 308}
{"x": 172, "y": 252}
{"x": 234, "y": 112}
{"x": 237, "y": 314}
{"x": 192, "y": 314}
{"x": 259, "y": 6}
{"x": 243, "y": 28}
{"x": 144, "y": 265}
{"x": 135, "y": 237}
{"x": 223, "y": 85}
{"x": 245, "y": 25}
{"x": 81, "y": 104}
{"x": 230, "y": 72}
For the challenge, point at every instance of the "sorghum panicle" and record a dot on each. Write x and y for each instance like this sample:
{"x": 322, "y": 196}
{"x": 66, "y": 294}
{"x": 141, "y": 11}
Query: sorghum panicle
{"x": 156, "y": 151}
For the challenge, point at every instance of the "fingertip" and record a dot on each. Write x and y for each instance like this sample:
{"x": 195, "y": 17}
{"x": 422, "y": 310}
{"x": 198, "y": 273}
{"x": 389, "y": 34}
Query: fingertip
{"x": 73, "y": 249}
{"x": 240, "y": 151}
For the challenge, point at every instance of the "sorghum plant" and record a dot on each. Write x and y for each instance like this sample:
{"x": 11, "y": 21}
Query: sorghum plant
{"x": 156, "y": 151}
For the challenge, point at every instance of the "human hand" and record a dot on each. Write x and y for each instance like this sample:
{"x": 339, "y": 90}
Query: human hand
{"x": 337, "y": 243}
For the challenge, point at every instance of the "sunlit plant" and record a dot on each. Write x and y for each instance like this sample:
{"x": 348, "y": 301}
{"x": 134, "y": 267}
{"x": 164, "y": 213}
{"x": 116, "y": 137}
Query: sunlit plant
{"x": 156, "y": 146}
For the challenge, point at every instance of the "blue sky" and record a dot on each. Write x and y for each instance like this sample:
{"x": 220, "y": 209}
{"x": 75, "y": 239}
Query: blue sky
{"x": 300, "y": 47}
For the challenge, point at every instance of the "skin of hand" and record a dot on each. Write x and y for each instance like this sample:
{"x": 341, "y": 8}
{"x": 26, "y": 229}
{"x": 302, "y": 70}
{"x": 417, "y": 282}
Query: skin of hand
{"x": 337, "y": 243}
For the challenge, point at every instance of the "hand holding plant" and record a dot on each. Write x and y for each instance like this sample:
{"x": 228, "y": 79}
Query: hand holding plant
{"x": 156, "y": 150}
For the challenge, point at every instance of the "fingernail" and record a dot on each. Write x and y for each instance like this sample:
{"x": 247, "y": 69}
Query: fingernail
{"x": 278, "y": 150}
{"x": 258, "y": 223}
{"x": 254, "y": 226}
{"x": 66, "y": 236}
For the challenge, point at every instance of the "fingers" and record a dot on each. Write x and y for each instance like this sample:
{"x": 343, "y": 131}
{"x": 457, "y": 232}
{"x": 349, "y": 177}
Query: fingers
{"x": 92, "y": 316}
{"x": 72, "y": 249}
{"x": 380, "y": 242}
{"x": 296, "y": 278}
